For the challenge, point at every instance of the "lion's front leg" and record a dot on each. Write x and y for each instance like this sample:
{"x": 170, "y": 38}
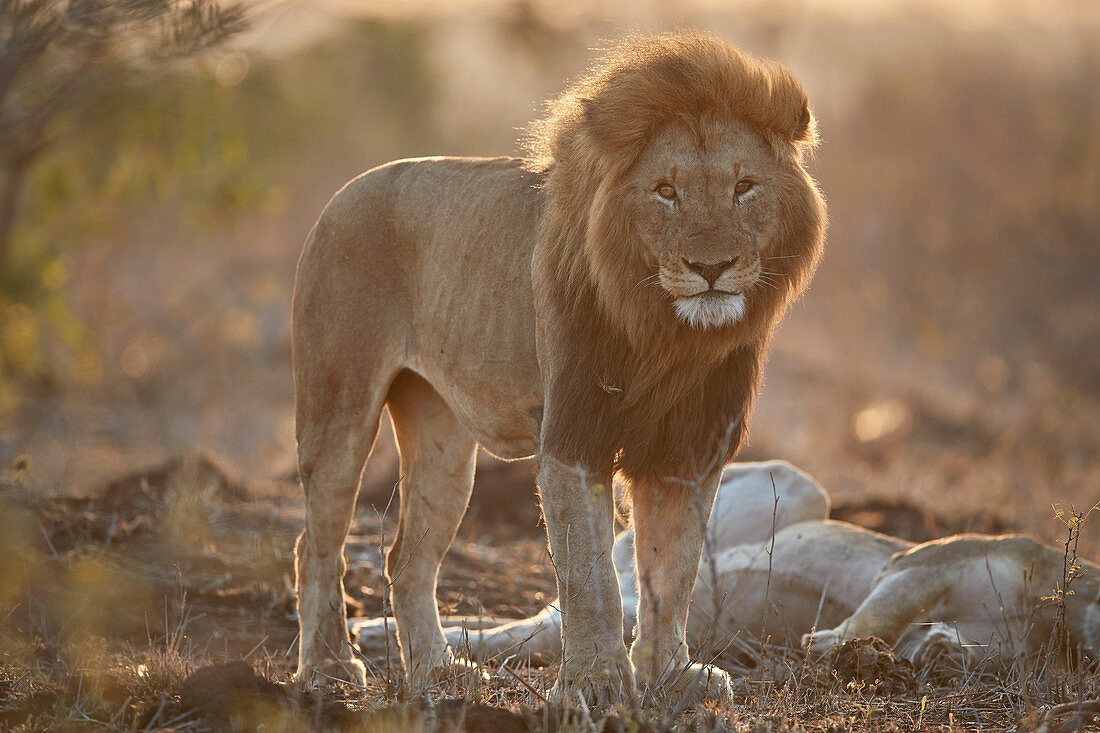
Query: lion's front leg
{"x": 579, "y": 511}
{"x": 670, "y": 521}
{"x": 897, "y": 598}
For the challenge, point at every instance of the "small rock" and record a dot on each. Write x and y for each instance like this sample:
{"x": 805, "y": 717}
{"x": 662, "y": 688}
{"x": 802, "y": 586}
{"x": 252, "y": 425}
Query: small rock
{"x": 231, "y": 697}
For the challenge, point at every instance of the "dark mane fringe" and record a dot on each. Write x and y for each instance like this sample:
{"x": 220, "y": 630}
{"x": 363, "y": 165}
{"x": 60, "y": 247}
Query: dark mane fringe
{"x": 633, "y": 388}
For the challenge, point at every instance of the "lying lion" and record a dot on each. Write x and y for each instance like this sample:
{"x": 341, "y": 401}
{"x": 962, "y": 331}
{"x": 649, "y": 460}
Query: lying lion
{"x": 968, "y": 596}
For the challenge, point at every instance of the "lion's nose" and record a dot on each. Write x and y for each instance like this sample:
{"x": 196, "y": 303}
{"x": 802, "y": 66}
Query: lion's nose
{"x": 710, "y": 271}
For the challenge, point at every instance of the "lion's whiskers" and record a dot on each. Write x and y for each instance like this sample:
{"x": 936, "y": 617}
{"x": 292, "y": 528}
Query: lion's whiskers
{"x": 653, "y": 279}
{"x": 767, "y": 277}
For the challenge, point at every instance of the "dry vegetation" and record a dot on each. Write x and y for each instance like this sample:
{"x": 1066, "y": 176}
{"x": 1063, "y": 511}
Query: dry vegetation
{"x": 940, "y": 376}
{"x": 123, "y": 609}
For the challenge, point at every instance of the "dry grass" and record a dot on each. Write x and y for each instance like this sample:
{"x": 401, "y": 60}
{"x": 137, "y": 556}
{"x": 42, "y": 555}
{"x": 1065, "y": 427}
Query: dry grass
{"x": 176, "y": 595}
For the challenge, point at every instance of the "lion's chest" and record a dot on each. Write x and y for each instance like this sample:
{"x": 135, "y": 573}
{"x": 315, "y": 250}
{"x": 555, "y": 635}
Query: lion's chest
{"x": 497, "y": 398}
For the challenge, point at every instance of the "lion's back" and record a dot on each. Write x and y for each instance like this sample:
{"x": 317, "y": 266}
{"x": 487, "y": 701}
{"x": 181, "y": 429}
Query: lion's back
{"x": 458, "y": 226}
{"x": 426, "y": 263}
{"x": 418, "y": 199}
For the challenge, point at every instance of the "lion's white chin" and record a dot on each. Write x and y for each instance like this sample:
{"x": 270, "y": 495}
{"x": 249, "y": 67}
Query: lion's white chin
{"x": 711, "y": 310}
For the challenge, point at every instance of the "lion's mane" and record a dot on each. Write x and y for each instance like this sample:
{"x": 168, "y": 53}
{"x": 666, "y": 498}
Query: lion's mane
{"x": 640, "y": 385}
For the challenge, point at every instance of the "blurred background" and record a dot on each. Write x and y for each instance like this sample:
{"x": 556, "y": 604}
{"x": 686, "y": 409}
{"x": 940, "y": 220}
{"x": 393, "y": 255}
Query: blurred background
{"x": 947, "y": 353}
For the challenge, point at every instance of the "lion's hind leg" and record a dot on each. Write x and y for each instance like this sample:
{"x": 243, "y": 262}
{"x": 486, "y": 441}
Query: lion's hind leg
{"x": 537, "y": 637}
{"x": 336, "y": 432}
{"x": 437, "y": 469}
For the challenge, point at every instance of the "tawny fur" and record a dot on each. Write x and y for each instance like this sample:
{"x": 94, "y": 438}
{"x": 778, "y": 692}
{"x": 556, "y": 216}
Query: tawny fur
{"x": 529, "y": 306}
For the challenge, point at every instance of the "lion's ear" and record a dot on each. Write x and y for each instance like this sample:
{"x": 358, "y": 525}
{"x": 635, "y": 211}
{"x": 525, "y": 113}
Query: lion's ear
{"x": 802, "y": 132}
{"x": 790, "y": 109}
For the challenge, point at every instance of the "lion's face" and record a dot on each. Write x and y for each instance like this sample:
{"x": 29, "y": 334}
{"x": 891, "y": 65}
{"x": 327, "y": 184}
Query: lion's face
{"x": 706, "y": 210}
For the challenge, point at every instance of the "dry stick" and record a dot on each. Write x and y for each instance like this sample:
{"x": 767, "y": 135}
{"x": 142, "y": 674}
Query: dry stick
{"x": 258, "y": 645}
{"x": 563, "y": 592}
{"x": 563, "y": 598}
{"x": 160, "y": 709}
{"x": 293, "y": 641}
{"x": 820, "y": 605}
{"x": 517, "y": 645}
{"x": 706, "y": 669}
{"x": 770, "y": 551}
{"x": 371, "y": 667}
{"x": 1001, "y": 605}
{"x": 1069, "y": 566}
{"x": 386, "y": 608}
{"x": 341, "y": 661}
{"x": 397, "y": 573}
{"x": 46, "y": 536}
{"x": 526, "y": 684}
{"x": 337, "y": 680}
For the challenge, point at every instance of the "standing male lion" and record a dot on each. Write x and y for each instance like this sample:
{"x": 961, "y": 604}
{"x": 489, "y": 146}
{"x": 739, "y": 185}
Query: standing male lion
{"x": 605, "y": 305}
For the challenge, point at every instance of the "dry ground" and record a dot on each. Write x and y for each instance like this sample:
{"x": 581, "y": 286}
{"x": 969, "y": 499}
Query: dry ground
{"x": 116, "y": 606}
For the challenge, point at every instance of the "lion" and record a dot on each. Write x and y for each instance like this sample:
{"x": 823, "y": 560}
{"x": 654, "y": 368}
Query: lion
{"x": 604, "y": 305}
{"x": 969, "y": 598}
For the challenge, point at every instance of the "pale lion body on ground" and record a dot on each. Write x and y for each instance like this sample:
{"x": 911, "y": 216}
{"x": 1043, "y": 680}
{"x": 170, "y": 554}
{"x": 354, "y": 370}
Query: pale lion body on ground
{"x": 970, "y": 596}
{"x": 606, "y": 305}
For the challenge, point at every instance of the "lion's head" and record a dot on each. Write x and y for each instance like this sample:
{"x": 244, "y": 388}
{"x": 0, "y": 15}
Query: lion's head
{"x": 685, "y": 157}
{"x": 679, "y": 224}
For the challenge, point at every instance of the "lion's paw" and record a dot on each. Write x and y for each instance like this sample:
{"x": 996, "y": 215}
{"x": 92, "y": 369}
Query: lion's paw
{"x": 329, "y": 671}
{"x": 693, "y": 683}
{"x": 822, "y": 642}
{"x": 598, "y": 685}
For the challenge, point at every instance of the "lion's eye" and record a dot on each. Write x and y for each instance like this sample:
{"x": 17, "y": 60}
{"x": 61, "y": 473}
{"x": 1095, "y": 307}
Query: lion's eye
{"x": 742, "y": 188}
{"x": 666, "y": 191}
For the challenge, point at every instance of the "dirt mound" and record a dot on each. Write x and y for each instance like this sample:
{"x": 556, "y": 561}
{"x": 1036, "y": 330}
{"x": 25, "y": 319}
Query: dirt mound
{"x": 150, "y": 487}
{"x": 131, "y": 507}
{"x": 870, "y": 661}
{"x": 231, "y": 697}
